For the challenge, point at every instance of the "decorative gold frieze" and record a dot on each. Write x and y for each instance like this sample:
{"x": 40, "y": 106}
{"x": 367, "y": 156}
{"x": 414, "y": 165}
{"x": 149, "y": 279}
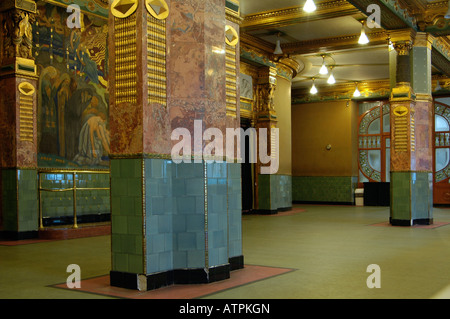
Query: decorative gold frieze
{"x": 156, "y": 60}
{"x": 123, "y": 8}
{"x": 26, "y": 115}
{"x": 125, "y": 59}
{"x": 402, "y": 92}
{"x": 401, "y": 128}
{"x": 231, "y": 36}
{"x": 26, "y": 5}
{"x": 157, "y": 8}
{"x": 231, "y": 80}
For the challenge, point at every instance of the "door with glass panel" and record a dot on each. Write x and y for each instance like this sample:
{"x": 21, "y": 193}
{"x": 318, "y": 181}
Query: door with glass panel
{"x": 441, "y": 138}
{"x": 374, "y": 142}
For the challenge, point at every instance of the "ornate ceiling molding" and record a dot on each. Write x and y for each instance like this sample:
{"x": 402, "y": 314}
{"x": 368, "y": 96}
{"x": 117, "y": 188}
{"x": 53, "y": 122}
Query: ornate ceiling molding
{"x": 331, "y": 44}
{"x": 288, "y": 16}
{"x": 257, "y": 43}
{"x": 380, "y": 89}
{"x": 431, "y": 18}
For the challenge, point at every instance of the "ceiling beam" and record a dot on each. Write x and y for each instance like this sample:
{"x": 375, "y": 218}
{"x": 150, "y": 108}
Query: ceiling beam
{"x": 440, "y": 55}
{"x": 392, "y": 14}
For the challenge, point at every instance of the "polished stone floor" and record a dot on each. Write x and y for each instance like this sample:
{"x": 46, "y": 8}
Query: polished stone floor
{"x": 328, "y": 249}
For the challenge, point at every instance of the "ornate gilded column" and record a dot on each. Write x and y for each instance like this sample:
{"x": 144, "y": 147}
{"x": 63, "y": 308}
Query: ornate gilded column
{"x": 233, "y": 120}
{"x": 18, "y": 151}
{"x": 274, "y": 190}
{"x": 411, "y": 129}
{"x": 171, "y": 68}
{"x": 266, "y": 118}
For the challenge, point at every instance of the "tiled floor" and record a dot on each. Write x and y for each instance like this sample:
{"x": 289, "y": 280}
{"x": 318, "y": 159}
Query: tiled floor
{"x": 326, "y": 248}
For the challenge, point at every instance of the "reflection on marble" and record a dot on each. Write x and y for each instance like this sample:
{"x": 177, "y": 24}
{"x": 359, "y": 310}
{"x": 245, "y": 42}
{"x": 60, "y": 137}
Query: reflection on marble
{"x": 126, "y": 129}
{"x": 424, "y": 134}
{"x": 14, "y": 151}
{"x": 196, "y": 83}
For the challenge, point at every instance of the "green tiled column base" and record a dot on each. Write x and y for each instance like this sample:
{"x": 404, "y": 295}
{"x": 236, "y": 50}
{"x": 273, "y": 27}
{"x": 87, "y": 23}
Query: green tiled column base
{"x": 274, "y": 193}
{"x": 20, "y": 208}
{"x": 324, "y": 189}
{"x": 411, "y": 198}
{"x": 168, "y": 217}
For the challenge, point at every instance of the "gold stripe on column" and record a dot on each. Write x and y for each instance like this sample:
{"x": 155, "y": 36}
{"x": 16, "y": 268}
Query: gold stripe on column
{"x": 156, "y": 60}
{"x": 231, "y": 40}
{"x": 26, "y": 116}
{"x": 125, "y": 59}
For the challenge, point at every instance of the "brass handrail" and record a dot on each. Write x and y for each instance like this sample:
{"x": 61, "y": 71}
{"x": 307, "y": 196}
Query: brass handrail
{"x": 74, "y": 189}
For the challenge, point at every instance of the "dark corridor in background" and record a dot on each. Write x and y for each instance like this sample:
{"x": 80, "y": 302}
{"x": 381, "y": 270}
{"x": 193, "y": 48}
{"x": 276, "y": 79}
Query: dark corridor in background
{"x": 246, "y": 169}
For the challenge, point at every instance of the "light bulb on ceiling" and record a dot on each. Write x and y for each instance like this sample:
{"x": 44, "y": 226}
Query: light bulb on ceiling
{"x": 356, "y": 93}
{"x": 363, "y": 39}
{"x": 331, "y": 79}
{"x": 313, "y": 88}
{"x": 323, "y": 69}
{"x": 391, "y": 46}
{"x": 278, "y": 47}
{"x": 309, "y": 6}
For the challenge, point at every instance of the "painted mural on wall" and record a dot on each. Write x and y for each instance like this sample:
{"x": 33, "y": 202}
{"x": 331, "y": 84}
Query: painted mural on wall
{"x": 73, "y": 128}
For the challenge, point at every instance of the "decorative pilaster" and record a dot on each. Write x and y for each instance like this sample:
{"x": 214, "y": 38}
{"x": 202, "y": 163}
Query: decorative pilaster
{"x": 18, "y": 151}
{"x": 411, "y": 125}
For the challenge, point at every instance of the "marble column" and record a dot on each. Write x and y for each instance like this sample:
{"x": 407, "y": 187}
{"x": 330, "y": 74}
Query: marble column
{"x": 411, "y": 131}
{"x": 18, "y": 152}
{"x": 172, "y": 222}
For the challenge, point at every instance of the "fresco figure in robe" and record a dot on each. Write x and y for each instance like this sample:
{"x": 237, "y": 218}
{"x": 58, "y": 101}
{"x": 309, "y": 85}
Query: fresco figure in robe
{"x": 94, "y": 139}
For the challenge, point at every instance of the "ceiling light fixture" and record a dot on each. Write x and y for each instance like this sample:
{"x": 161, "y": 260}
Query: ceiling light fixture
{"x": 356, "y": 93}
{"x": 309, "y": 6}
{"x": 278, "y": 46}
{"x": 323, "y": 69}
{"x": 447, "y": 15}
{"x": 363, "y": 39}
{"x": 313, "y": 88}
{"x": 331, "y": 79}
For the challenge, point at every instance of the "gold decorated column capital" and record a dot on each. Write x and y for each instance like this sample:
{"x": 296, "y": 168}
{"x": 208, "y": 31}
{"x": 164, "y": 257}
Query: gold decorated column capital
{"x": 17, "y": 19}
{"x": 267, "y": 83}
{"x": 402, "y": 40}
